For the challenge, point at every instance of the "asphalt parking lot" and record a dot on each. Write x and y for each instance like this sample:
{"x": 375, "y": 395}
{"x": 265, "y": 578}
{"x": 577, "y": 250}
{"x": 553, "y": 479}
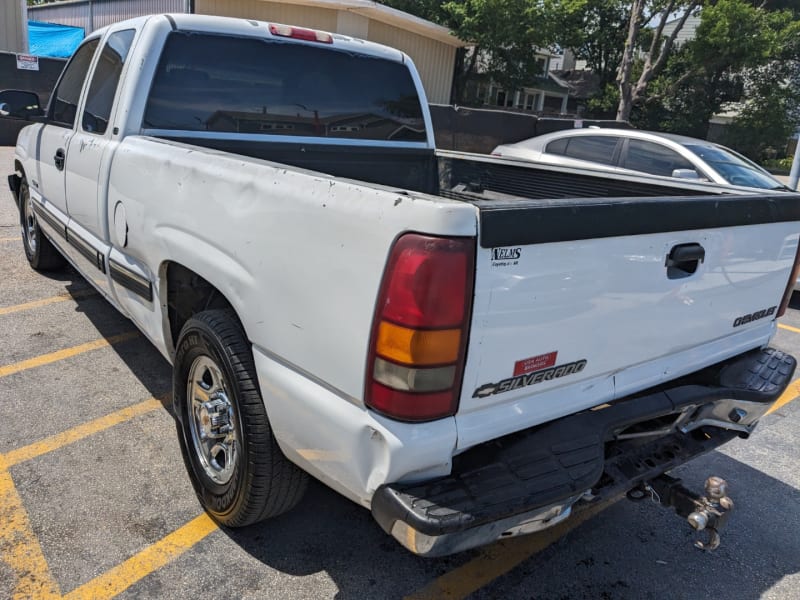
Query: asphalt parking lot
{"x": 95, "y": 503}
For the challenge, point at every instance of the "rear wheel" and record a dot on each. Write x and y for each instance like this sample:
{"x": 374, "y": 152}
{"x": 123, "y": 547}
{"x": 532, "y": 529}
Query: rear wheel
{"x": 41, "y": 254}
{"x": 237, "y": 469}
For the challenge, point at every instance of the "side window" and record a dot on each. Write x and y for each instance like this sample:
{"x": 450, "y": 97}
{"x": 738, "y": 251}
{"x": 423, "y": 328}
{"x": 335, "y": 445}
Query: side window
{"x": 258, "y": 86}
{"x": 105, "y": 80}
{"x": 68, "y": 93}
{"x": 595, "y": 148}
{"x": 653, "y": 158}
{"x": 557, "y": 147}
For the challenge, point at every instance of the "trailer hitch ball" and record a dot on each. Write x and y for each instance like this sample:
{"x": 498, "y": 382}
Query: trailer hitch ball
{"x": 707, "y": 513}
{"x": 711, "y": 512}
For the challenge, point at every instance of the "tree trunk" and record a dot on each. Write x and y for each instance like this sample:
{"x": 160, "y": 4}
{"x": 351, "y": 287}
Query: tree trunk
{"x": 626, "y": 64}
{"x": 656, "y": 58}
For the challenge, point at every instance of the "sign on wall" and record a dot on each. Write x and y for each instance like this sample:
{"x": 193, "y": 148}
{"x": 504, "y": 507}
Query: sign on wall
{"x": 26, "y": 62}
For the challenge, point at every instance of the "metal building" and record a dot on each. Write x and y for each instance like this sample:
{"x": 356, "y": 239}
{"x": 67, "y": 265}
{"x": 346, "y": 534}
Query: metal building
{"x": 430, "y": 46}
{"x": 13, "y": 27}
{"x": 93, "y": 14}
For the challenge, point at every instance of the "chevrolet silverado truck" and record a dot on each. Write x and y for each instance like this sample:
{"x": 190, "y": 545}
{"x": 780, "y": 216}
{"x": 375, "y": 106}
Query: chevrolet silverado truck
{"x": 469, "y": 346}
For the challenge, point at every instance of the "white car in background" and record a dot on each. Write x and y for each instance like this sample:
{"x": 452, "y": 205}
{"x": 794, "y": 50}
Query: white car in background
{"x": 630, "y": 150}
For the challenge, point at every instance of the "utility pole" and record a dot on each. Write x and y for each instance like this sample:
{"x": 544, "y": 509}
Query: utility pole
{"x": 794, "y": 174}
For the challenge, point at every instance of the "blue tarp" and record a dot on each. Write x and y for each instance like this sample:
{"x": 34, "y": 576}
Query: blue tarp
{"x": 52, "y": 39}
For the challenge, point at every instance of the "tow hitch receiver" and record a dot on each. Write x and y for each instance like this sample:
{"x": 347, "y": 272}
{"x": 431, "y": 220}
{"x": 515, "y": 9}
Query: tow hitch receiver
{"x": 707, "y": 513}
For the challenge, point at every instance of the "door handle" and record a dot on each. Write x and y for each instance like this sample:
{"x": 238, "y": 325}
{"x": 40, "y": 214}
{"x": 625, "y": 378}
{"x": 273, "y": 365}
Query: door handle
{"x": 684, "y": 259}
{"x": 59, "y": 159}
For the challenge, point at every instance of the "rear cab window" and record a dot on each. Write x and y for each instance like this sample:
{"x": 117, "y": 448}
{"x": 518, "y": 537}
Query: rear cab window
{"x": 219, "y": 83}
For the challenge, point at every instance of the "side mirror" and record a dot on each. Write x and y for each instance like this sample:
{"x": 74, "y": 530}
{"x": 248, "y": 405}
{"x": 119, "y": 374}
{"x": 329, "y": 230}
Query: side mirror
{"x": 19, "y": 104}
{"x": 686, "y": 174}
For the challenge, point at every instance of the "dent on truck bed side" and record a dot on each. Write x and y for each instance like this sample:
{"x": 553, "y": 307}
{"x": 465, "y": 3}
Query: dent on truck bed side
{"x": 299, "y": 255}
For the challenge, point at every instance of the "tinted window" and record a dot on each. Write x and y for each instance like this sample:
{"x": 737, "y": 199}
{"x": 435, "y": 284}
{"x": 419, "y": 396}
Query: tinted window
{"x": 734, "y": 168}
{"x": 596, "y": 148}
{"x": 104, "y": 81}
{"x": 68, "y": 93}
{"x": 557, "y": 147}
{"x": 653, "y": 158}
{"x": 246, "y": 85}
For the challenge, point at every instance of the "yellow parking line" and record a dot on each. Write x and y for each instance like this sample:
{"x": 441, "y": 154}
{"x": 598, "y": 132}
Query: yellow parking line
{"x": 152, "y": 558}
{"x": 46, "y": 359}
{"x": 788, "y": 328}
{"x": 500, "y": 558}
{"x": 19, "y": 548}
{"x": 51, "y": 300}
{"x": 790, "y": 393}
{"x": 9, "y": 239}
{"x": 79, "y": 432}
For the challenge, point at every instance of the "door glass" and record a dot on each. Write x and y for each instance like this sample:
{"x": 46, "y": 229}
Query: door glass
{"x": 653, "y": 158}
{"x": 596, "y": 148}
{"x": 105, "y": 80}
{"x": 68, "y": 93}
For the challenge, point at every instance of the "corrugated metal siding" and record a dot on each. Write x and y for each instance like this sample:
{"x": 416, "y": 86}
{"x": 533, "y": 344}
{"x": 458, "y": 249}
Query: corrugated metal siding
{"x": 434, "y": 60}
{"x": 94, "y": 14}
{"x": 290, "y": 14}
{"x": 13, "y": 30}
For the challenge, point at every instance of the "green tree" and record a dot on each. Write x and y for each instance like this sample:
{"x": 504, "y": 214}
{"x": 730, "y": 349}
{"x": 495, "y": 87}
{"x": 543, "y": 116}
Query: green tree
{"x": 505, "y": 34}
{"x": 741, "y": 54}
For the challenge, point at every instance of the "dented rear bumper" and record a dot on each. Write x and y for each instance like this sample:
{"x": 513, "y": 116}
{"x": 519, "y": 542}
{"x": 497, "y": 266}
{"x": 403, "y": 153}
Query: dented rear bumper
{"x": 530, "y": 480}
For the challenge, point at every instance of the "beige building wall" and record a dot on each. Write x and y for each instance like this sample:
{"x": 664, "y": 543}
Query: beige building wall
{"x": 434, "y": 60}
{"x": 13, "y": 26}
{"x": 290, "y": 14}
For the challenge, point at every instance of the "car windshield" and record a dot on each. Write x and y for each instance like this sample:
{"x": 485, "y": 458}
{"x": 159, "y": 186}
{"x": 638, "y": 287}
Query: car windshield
{"x": 735, "y": 169}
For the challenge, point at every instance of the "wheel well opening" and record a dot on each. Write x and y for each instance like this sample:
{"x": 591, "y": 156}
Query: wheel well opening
{"x": 188, "y": 294}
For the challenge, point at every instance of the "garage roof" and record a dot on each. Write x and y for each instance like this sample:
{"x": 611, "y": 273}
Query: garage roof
{"x": 388, "y": 15}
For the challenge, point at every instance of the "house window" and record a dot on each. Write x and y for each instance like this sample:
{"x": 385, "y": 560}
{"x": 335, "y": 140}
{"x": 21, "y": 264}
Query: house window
{"x": 530, "y": 101}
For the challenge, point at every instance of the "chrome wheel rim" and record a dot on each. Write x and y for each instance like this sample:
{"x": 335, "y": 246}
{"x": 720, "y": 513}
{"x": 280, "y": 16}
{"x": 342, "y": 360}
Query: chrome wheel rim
{"x": 212, "y": 420}
{"x": 29, "y": 223}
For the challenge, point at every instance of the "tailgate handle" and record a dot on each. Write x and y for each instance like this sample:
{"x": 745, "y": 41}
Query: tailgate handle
{"x": 683, "y": 260}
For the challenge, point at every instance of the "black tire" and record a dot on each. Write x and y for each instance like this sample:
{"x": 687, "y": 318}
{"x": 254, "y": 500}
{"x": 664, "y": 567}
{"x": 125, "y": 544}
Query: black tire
{"x": 41, "y": 254}
{"x": 261, "y": 483}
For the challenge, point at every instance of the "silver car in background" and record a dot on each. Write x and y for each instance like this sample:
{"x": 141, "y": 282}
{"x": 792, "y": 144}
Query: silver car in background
{"x": 631, "y": 150}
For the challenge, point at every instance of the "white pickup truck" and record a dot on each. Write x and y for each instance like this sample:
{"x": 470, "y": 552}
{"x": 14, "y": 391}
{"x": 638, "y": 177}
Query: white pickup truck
{"x": 468, "y": 346}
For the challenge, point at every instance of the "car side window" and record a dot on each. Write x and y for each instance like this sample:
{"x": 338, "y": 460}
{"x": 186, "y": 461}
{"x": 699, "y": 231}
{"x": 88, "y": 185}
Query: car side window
{"x": 105, "y": 81}
{"x": 68, "y": 93}
{"x": 594, "y": 148}
{"x": 652, "y": 158}
{"x": 557, "y": 147}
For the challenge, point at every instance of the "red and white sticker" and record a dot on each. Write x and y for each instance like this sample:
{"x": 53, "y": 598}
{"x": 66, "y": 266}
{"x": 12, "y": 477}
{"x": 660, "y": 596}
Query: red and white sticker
{"x": 535, "y": 363}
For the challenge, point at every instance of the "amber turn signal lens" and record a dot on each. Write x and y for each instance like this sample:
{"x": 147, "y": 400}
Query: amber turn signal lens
{"x": 417, "y": 347}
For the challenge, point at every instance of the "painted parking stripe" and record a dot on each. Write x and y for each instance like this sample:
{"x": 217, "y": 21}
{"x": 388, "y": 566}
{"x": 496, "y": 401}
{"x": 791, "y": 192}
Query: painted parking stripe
{"x": 46, "y": 359}
{"x": 79, "y": 432}
{"x": 9, "y": 239}
{"x": 47, "y": 301}
{"x": 790, "y": 394}
{"x": 789, "y": 328}
{"x": 149, "y": 560}
{"x": 500, "y": 558}
{"x": 19, "y": 548}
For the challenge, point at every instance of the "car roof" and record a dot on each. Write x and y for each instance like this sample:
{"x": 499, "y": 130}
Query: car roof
{"x": 540, "y": 140}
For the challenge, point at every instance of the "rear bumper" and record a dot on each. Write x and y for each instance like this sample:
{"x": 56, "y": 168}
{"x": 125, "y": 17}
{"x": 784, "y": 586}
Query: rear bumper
{"x": 530, "y": 480}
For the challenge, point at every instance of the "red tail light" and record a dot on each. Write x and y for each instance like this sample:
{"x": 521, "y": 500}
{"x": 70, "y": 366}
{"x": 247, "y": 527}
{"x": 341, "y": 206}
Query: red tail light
{"x": 419, "y": 333}
{"x": 787, "y": 295}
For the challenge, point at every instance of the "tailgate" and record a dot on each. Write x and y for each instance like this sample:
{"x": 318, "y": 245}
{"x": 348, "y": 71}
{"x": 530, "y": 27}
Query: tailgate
{"x": 578, "y": 302}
